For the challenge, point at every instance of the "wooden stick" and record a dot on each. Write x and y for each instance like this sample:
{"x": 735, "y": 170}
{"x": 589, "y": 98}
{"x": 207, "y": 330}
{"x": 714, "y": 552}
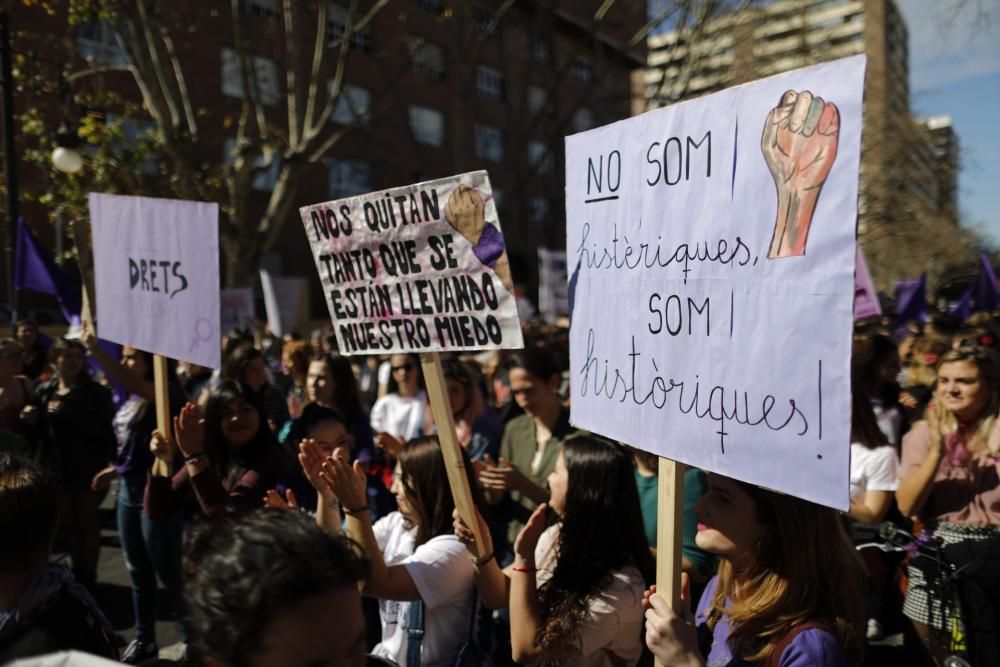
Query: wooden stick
{"x": 160, "y": 467}
{"x": 669, "y": 533}
{"x": 450, "y": 447}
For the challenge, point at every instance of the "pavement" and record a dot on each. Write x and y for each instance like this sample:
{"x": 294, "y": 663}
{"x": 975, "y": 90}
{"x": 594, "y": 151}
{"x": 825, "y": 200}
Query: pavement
{"x": 114, "y": 592}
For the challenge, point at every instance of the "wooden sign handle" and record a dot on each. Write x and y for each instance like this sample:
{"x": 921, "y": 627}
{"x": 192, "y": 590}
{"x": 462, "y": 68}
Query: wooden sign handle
{"x": 450, "y": 447}
{"x": 160, "y": 369}
{"x": 669, "y": 533}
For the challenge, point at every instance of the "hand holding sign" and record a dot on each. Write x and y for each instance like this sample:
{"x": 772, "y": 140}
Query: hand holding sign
{"x": 799, "y": 144}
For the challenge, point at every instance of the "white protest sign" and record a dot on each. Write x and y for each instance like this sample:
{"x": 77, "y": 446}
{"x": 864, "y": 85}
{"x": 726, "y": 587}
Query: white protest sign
{"x": 552, "y": 300}
{"x": 237, "y": 308}
{"x": 419, "y": 268}
{"x": 713, "y": 248}
{"x": 156, "y": 271}
{"x": 283, "y": 302}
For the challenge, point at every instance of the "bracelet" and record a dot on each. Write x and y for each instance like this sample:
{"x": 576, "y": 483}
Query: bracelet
{"x": 524, "y": 569}
{"x": 195, "y": 457}
{"x": 355, "y": 510}
{"x": 484, "y": 560}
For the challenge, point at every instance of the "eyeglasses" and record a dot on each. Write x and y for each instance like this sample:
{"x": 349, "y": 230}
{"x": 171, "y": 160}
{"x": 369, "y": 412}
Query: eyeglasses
{"x": 404, "y": 367}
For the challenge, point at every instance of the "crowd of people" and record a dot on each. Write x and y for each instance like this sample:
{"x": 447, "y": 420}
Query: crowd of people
{"x": 298, "y": 511}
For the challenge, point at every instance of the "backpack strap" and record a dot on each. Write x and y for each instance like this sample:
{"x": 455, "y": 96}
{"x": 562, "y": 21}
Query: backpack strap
{"x": 415, "y": 633}
{"x": 774, "y": 660}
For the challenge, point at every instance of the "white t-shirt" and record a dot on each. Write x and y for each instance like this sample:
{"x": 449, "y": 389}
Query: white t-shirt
{"x": 444, "y": 577}
{"x": 614, "y": 623}
{"x": 873, "y": 469}
{"x": 400, "y": 416}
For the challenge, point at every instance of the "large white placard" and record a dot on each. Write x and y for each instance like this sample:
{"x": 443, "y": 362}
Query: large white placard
{"x": 156, "y": 271}
{"x": 416, "y": 269}
{"x": 284, "y": 302}
{"x": 711, "y": 251}
{"x": 237, "y": 309}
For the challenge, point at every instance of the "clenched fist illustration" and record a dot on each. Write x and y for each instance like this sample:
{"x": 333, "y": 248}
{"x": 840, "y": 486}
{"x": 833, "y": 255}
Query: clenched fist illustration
{"x": 799, "y": 144}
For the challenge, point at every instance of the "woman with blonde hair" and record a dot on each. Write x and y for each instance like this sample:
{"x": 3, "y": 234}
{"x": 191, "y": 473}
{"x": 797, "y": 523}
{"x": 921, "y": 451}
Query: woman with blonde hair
{"x": 788, "y": 592}
{"x": 948, "y": 476}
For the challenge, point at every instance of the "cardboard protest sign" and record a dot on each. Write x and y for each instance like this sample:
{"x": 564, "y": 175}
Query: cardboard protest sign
{"x": 237, "y": 309}
{"x": 416, "y": 269}
{"x": 711, "y": 249}
{"x": 284, "y": 302}
{"x": 156, "y": 271}
{"x": 865, "y": 297}
{"x": 552, "y": 300}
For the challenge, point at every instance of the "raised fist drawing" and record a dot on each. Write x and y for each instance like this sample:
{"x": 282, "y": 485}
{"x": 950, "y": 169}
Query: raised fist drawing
{"x": 799, "y": 144}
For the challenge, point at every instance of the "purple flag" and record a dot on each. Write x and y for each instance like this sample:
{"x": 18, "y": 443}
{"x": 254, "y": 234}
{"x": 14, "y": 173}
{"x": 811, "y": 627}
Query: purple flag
{"x": 865, "y": 298}
{"x": 911, "y": 300}
{"x": 963, "y": 307}
{"x": 35, "y": 270}
{"x": 987, "y": 294}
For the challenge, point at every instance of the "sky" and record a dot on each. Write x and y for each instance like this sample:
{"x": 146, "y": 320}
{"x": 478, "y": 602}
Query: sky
{"x": 955, "y": 70}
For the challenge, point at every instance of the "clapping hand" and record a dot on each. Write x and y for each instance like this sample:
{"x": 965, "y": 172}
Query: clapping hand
{"x": 347, "y": 482}
{"x": 273, "y": 499}
{"x": 311, "y": 460}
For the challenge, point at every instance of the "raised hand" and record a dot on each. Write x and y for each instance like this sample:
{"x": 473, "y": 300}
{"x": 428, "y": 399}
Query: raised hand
{"x": 388, "y": 443}
{"x": 799, "y": 144}
{"x": 503, "y": 478}
{"x": 189, "y": 430}
{"x": 465, "y": 212}
{"x": 347, "y": 482}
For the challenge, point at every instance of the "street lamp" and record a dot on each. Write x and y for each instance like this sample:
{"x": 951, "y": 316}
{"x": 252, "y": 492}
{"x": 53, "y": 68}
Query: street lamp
{"x": 65, "y": 157}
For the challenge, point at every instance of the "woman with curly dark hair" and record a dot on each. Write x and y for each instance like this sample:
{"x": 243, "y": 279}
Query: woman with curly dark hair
{"x": 575, "y": 588}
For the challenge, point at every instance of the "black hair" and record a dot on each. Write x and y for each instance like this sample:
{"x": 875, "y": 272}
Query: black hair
{"x": 237, "y": 363}
{"x": 28, "y": 511}
{"x": 601, "y": 532}
{"x": 312, "y": 415}
{"x": 241, "y": 573}
{"x": 413, "y": 359}
{"x": 228, "y": 464}
{"x": 346, "y": 395}
{"x": 537, "y": 361}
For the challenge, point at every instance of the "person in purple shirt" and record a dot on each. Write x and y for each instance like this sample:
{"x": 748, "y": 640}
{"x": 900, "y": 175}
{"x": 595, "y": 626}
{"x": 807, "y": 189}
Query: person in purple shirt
{"x": 789, "y": 592}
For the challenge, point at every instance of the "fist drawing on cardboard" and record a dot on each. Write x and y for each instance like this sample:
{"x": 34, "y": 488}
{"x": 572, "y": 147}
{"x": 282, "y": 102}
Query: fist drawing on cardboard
{"x": 466, "y": 212}
{"x": 799, "y": 144}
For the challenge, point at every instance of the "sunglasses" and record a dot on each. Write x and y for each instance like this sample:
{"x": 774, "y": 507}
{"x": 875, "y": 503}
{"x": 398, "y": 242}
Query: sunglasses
{"x": 404, "y": 367}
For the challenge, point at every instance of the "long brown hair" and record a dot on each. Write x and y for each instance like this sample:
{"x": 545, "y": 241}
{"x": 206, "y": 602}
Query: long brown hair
{"x": 425, "y": 481}
{"x": 805, "y": 569}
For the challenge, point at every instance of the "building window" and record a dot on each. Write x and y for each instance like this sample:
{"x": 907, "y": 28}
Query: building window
{"x": 428, "y": 59}
{"x": 349, "y": 178}
{"x": 489, "y": 143}
{"x": 583, "y": 71}
{"x": 265, "y": 179}
{"x": 427, "y": 125}
{"x": 539, "y": 157}
{"x": 432, "y": 6}
{"x": 538, "y": 99}
{"x": 539, "y": 210}
{"x": 541, "y": 49}
{"x": 336, "y": 26}
{"x": 263, "y": 74}
{"x": 135, "y": 132}
{"x": 489, "y": 83}
{"x": 263, "y": 8}
{"x": 96, "y": 42}
{"x": 354, "y": 105}
{"x": 583, "y": 119}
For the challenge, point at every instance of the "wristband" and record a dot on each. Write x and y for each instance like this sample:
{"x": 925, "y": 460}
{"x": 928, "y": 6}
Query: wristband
{"x": 355, "y": 510}
{"x": 195, "y": 457}
{"x": 523, "y": 569}
{"x": 484, "y": 560}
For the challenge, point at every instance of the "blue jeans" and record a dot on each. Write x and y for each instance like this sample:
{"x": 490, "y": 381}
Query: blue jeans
{"x": 150, "y": 548}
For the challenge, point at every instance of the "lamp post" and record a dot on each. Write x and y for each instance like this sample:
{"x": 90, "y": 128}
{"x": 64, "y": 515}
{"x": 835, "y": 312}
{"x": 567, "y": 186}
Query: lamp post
{"x": 10, "y": 158}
